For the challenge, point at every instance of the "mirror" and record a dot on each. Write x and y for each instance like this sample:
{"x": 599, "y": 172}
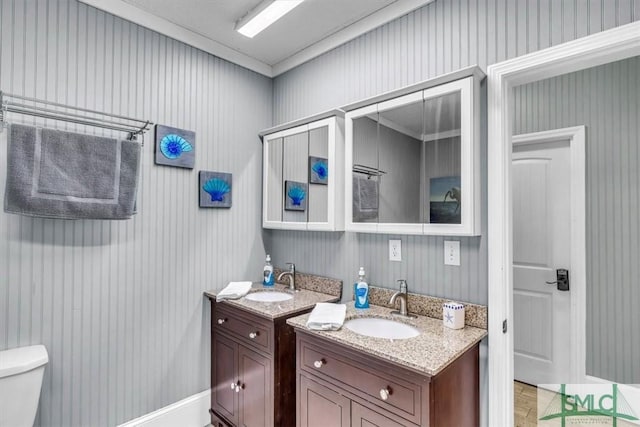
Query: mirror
{"x": 295, "y": 190}
{"x": 406, "y": 161}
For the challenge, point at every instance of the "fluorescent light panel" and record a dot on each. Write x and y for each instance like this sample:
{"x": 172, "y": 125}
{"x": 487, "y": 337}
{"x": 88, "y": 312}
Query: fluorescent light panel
{"x": 267, "y": 16}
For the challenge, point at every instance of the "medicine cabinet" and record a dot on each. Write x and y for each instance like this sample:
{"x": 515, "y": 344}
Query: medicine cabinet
{"x": 412, "y": 159}
{"x": 303, "y": 170}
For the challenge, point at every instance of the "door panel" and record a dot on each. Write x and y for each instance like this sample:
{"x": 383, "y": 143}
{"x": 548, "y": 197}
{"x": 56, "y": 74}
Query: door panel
{"x": 321, "y": 407}
{"x": 542, "y": 244}
{"x": 225, "y": 399}
{"x": 527, "y": 306}
{"x": 254, "y": 373}
{"x": 531, "y": 212}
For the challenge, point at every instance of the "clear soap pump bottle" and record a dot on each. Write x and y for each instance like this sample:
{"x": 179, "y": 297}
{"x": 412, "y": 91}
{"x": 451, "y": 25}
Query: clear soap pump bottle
{"x": 361, "y": 291}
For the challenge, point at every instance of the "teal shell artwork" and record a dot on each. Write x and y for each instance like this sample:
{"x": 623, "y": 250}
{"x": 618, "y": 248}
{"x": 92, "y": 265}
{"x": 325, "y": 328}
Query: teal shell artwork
{"x": 297, "y": 195}
{"x": 172, "y": 146}
{"x": 216, "y": 188}
{"x": 321, "y": 170}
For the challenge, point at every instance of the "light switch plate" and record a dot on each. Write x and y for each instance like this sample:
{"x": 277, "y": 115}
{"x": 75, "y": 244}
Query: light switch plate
{"x": 452, "y": 252}
{"x": 395, "y": 250}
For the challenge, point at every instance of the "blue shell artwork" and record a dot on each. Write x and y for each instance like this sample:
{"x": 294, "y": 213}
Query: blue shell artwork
{"x": 172, "y": 146}
{"x": 216, "y": 188}
{"x": 297, "y": 195}
{"x": 320, "y": 168}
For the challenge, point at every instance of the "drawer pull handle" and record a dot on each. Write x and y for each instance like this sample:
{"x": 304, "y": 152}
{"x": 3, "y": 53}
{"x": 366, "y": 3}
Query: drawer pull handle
{"x": 384, "y": 393}
{"x": 221, "y": 321}
{"x": 253, "y": 335}
{"x": 239, "y": 387}
{"x": 318, "y": 363}
{"x": 233, "y": 386}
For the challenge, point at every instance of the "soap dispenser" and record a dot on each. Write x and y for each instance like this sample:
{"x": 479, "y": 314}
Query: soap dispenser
{"x": 268, "y": 279}
{"x": 361, "y": 291}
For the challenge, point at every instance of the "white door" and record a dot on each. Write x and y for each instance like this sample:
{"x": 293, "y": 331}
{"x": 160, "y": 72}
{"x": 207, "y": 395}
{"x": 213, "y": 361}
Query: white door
{"x": 541, "y": 244}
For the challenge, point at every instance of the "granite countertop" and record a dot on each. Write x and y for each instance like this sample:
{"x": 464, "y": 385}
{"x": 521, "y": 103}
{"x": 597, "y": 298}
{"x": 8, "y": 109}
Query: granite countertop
{"x": 428, "y": 353}
{"x": 302, "y": 300}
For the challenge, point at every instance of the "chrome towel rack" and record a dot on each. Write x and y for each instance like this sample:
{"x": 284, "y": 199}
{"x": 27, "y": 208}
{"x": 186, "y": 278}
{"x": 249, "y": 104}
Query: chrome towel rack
{"x": 10, "y": 103}
{"x": 368, "y": 171}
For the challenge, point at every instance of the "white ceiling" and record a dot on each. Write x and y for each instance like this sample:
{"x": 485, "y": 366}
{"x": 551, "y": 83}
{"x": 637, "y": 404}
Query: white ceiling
{"x": 310, "y": 29}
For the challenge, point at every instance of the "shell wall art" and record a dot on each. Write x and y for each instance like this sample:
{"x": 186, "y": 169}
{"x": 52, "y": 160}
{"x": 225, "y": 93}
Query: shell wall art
{"x": 175, "y": 147}
{"x": 295, "y": 196}
{"x": 318, "y": 170}
{"x": 214, "y": 189}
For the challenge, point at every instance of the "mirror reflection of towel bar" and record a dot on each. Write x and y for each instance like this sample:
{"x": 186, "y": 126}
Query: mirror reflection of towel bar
{"x": 367, "y": 170}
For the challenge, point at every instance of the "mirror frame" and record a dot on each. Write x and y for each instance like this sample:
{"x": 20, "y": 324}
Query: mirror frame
{"x": 470, "y": 177}
{"x": 333, "y": 120}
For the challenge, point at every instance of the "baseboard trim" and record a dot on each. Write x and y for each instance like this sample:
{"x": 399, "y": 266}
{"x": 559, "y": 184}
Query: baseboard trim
{"x": 192, "y": 411}
{"x": 596, "y": 380}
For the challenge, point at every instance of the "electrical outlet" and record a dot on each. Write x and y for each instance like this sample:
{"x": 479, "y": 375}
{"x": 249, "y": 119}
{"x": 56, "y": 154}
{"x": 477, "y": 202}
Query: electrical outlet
{"x": 451, "y": 252}
{"x": 395, "y": 250}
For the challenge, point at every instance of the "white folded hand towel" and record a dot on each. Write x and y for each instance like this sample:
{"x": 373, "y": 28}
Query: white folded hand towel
{"x": 327, "y": 316}
{"x": 234, "y": 290}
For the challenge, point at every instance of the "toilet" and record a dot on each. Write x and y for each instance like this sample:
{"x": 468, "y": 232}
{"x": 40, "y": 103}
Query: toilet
{"x": 21, "y": 372}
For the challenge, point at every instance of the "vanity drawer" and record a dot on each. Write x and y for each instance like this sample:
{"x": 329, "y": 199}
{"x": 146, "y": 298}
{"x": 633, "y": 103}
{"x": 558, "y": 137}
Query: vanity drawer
{"x": 379, "y": 385}
{"x": 250, "y": 329}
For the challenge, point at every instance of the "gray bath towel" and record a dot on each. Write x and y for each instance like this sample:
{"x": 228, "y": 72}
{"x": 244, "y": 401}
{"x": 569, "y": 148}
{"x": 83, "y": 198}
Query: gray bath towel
{"x": 365, "y": 199}
{"x": 56, "y": 174}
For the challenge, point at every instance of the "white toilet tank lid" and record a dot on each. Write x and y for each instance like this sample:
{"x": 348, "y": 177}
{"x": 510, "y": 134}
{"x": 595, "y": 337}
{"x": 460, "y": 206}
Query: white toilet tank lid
{"x": 22, "y": 359}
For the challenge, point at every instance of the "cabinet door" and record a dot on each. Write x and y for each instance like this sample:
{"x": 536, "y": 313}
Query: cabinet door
{"x": 256, "y": 395}
{"x": 414, "y": 161}
{"x": 295, "y": 171}
{"x": 361, "y": 416}
{"x": 273, "y": 184}
{"x": 320, "y": 406}
{"x": 224, "y": 398}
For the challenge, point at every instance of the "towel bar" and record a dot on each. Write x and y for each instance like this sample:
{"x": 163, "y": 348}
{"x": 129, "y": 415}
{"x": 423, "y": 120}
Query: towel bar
{"x": 131, "y": 126}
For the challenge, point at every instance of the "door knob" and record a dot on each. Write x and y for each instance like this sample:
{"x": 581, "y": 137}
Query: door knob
{"x": 221, "y": 321}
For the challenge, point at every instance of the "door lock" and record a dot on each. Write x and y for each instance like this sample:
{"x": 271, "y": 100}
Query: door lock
{"x": 562, "y": 279}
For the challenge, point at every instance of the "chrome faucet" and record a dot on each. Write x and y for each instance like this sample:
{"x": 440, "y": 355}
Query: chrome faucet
{"x": 291, "y": 274}
{"x": 401, "y": 296}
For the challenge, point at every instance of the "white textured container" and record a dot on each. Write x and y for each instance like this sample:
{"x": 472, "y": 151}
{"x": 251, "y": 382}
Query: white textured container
{"x": 453, "y": 315}
{"x": 21, "y": 372}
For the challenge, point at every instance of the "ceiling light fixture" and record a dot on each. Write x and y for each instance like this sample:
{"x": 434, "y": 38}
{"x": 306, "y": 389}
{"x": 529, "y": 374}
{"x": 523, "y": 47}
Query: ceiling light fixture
{"x": 265, "y": 14}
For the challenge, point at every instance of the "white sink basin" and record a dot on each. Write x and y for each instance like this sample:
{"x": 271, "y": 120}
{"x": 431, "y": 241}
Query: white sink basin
{"x": 269, "y": 296}
{"x": 381, "y": 328}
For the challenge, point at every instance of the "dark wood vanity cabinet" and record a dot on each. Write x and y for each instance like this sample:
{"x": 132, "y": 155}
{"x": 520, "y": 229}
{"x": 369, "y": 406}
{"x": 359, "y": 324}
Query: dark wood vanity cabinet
{"x": 321, "y": 406}
{"x": 252, "y": 369}
{"x": 339, "y": 386}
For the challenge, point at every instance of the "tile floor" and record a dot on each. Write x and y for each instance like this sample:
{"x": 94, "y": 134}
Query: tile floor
{"x": 525, "y": 405}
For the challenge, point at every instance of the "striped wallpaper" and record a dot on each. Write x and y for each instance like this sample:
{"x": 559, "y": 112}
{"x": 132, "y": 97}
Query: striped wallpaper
{"x": 441, "y": 37}
{"x": 119, "y": 305}
{"x": 607, "y": 100}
